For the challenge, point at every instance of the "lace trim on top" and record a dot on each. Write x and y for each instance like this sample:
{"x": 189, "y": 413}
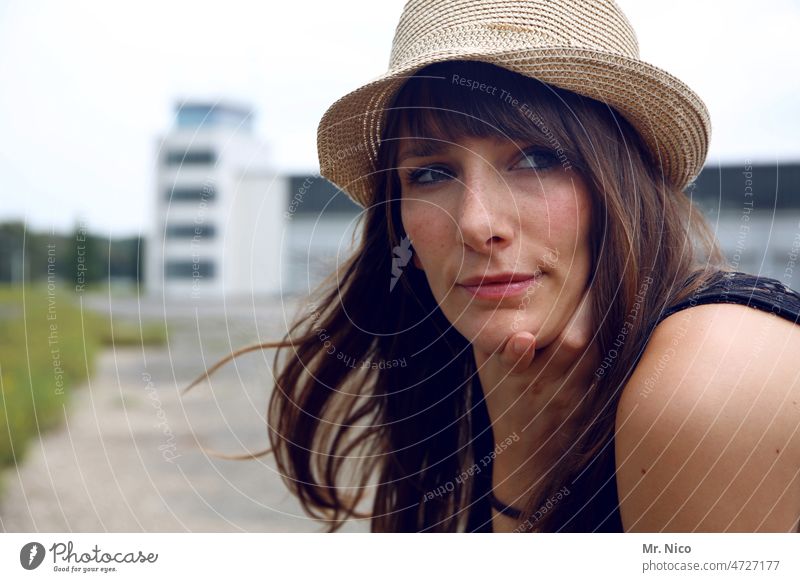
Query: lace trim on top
{"x": 763, "y": 293}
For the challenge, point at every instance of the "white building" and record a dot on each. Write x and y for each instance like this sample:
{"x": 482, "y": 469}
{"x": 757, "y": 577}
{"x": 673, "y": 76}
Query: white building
{"x": 220, "y": 209}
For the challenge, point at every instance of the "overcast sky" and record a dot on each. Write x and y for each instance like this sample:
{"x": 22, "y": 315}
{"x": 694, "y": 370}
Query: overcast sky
{"x": 88, "y": 85}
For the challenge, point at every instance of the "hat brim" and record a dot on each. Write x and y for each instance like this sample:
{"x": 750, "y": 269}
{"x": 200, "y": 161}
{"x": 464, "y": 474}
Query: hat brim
{"x": 670, "y": 117}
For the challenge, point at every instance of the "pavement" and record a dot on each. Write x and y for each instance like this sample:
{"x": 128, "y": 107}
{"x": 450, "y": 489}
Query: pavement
{"x": 129, "y": 455}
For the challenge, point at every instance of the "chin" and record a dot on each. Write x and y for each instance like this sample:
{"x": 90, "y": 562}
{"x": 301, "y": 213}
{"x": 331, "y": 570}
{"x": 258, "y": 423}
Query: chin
{"x": 487, "y": 333}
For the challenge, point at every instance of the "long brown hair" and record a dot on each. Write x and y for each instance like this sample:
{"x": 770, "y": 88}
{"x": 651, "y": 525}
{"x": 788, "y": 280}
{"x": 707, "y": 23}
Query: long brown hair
{"x": 379, "y": 399}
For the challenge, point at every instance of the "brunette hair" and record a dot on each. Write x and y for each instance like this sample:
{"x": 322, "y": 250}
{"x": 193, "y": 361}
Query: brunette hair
{"x": 406, "y": 431}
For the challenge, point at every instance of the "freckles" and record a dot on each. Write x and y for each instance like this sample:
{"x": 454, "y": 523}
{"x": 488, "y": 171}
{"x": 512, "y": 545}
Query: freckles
{"x": 569, "y": 207}
{"x": 557, "y": 220}
{"x": 429, "y": 237}
{"x": 425, "y": 223}
{"x": 413, "y": 221}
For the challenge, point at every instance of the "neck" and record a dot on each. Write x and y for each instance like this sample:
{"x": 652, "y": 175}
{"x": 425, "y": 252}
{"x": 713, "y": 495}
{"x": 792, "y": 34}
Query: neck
{"x": 533, "y": 425}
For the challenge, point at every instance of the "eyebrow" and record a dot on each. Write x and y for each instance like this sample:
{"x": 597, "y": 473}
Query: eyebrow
{"x": 423, "y": 148}
{"x": 420, "y": 149}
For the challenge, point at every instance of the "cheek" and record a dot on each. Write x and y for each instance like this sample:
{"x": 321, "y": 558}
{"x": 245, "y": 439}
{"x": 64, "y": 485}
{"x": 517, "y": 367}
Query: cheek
{"x": 427, "y": 226}
{"x": 563, "y": 223}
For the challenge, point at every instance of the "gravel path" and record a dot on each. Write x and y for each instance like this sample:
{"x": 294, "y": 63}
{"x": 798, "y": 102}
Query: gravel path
{"x": 128, "y": 456}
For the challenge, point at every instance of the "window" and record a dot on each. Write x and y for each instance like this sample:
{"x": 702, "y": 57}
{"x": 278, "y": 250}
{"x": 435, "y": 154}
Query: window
{"x": 191, "y": 157}
{"x": 211, "y": 115}
{"x": 205, "y": 193}
{"x": 190, "y": 269}
{"x": 191, "y": 230}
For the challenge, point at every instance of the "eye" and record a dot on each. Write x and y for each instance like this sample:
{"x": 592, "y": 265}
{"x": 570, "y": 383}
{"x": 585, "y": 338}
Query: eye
{"x": 537, "y": 159}
{"x": 429, "y": 175}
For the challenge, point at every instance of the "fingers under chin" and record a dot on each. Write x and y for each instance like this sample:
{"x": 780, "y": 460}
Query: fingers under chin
{"x": 517, "y": 360}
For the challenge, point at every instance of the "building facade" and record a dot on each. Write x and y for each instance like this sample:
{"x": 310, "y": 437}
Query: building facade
{"x": 754, "y": 209}
{"x": 220, "y": 208}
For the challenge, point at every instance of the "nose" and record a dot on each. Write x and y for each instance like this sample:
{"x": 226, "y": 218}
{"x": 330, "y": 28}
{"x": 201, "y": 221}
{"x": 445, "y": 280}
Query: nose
{"x": 483, "y": 216}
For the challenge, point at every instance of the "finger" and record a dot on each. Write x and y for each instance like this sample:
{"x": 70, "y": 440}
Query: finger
{"x": 518, "y": 352}
{"x": 578, "y": 331}
{"x": 579, "y": 339}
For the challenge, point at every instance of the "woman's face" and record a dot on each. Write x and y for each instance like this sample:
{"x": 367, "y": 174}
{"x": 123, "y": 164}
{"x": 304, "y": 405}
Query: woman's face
{"x": 487, "y": 207}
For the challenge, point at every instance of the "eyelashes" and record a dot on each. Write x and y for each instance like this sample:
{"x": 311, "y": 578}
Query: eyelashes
{"x": 428, "y": 175}
{"x": 535, "y": 158}
{"x": 548, "y": 158}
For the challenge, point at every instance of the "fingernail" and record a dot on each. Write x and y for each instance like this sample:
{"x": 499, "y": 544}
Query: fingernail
{"x": 520, "y": 345}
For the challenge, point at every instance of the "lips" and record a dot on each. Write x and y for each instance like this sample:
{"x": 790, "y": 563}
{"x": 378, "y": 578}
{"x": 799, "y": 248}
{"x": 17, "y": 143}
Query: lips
{"x": 498, "y": 286}
{"x": 496, "y": 279}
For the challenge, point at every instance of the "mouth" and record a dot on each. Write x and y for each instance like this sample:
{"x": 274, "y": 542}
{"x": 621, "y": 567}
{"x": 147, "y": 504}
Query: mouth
{"x": 500, "y": 289}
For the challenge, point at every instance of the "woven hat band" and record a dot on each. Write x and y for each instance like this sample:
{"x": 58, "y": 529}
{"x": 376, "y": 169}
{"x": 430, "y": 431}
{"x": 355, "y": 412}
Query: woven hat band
{"x": 433, "y": 27}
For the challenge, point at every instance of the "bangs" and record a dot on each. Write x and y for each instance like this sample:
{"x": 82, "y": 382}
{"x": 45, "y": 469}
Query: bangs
{"x": 455, "y": 99}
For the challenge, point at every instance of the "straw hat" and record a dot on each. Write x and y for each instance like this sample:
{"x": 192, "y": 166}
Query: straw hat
{"x": 584, "y": 46}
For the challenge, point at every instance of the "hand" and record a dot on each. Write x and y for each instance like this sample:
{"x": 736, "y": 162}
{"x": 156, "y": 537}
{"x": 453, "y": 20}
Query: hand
{"x": 573, "y": 356}
{"x": 532, "y": 396}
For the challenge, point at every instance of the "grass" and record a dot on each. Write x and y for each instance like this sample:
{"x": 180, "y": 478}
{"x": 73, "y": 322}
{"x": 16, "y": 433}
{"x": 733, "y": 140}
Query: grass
{"x": 47, "y": 350}
{"x": 130, "y": 333}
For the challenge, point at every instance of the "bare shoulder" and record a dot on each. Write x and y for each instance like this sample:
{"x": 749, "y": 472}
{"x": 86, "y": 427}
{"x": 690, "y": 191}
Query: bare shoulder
{"x": 708, "y": 426}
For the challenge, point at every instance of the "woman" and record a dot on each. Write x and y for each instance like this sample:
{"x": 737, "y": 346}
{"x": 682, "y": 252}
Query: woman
{"x": 538, "y": 331}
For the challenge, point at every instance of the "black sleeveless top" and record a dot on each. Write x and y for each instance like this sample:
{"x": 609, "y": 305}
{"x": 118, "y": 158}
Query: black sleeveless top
{"x": 598, "y": 496}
